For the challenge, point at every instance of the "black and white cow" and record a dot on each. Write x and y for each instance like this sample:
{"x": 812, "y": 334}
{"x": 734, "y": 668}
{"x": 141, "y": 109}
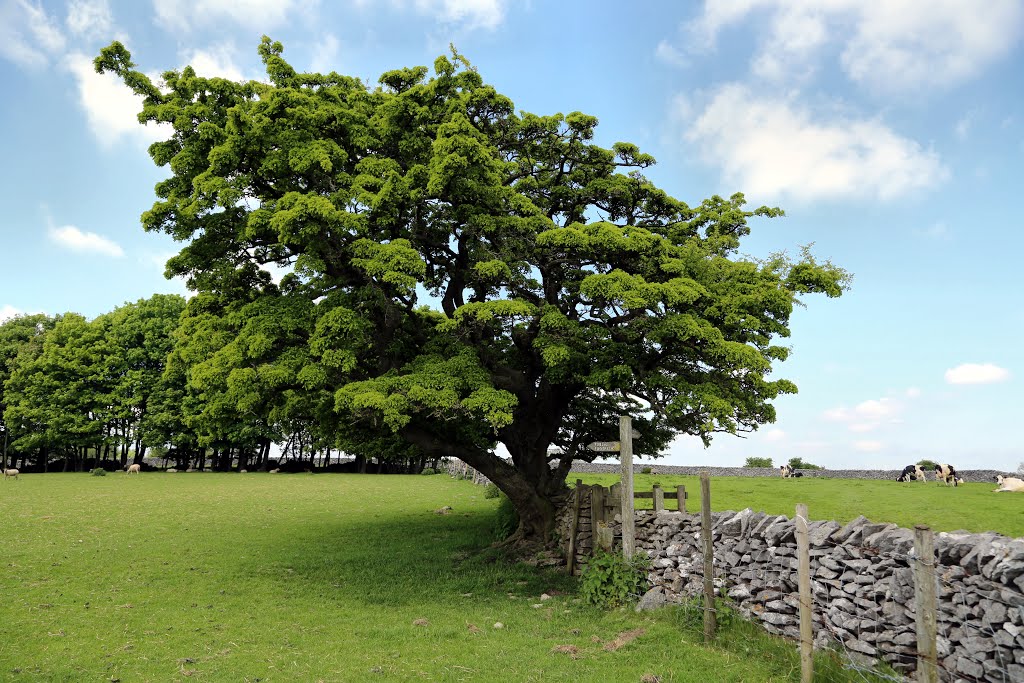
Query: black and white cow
{"x": 788, "y": 472}
{"x": 947, "y": 474}
{"x": 911, "y": 472}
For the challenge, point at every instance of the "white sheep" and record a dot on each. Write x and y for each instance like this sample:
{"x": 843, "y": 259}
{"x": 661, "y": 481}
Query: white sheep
{"x": 172, "y": 471}
{"x": 11, "y": 473}
{"x": 133, "y": 468}
{"x": 274, "y": 471}
{"x": 1011, "y": 484}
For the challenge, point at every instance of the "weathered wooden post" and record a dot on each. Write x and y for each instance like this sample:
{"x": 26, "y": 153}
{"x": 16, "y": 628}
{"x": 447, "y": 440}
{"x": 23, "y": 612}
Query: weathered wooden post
{"x": 626, "y": 457}
{"x": 709, "y": 557}
{"x": 624, "y": 446}
{"x": 575, "y": 526}
{"x": 925, "y": 605}
{"x": 659, "y": 498}
{"x": 803, "y": 548}
{"x": 681, "y": 497}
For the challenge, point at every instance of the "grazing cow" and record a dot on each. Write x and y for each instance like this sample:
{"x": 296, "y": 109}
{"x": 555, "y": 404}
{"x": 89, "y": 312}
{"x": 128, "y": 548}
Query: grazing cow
{"x": 911, "y": 472}
{"x": 947, "y": 474}
{"x": 1011, "y": 484}
{"x": 135, "y": 468}
{"x": 11, "y": 473}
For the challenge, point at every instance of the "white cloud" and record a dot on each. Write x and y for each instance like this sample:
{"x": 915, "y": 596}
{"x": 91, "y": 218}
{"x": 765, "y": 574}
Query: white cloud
{"x": 776, "y": 148}
{"x": 185, "y": 15}
{"x": 487, "y": 14}
{"x": 71, "y": 237}
{"x": 868, "y": 446}
{"x": 325, "y": 55}
{"x": 894, "y": 47}
{"x": 670, "y": 55}
{"x": 8, "y": 311}
{"x": 912, "y": 392}
{"x": 936, "y": 231}
{"x": 977, "y": 373}
{"x": 867, "y": 415}
{"x": 774, "y": 435}
{"x": 963, "y": 126}
{"x": 90, "y": 18}
{"x": 110, "y": 106}
{"x": 28, "y": 35}
{"x": 215, "y": 61}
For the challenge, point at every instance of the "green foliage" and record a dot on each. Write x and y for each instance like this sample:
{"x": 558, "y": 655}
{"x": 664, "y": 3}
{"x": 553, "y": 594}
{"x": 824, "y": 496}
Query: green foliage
{"x": 645, "y": 470}
{"x": 506, "y": 518}
{"x": 610, "y": 580}
{"x": 689, "y": 615}
{"x": 428, "y": 471}
{"x": 799, "y": 464}
{"x": 464, "y": 273}
{"x": 491, "y": 491}
{"x": 98, "y": 472}
{"x": 758, "y": 462}
{"x": 928, "y": 465}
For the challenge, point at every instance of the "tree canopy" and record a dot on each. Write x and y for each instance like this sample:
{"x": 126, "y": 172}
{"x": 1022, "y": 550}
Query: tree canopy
{"x": 458, "y": 274}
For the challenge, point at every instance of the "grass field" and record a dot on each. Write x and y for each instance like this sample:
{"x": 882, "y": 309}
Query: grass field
{"x": 256, "y": 577}
{"x": 945, "y": 508}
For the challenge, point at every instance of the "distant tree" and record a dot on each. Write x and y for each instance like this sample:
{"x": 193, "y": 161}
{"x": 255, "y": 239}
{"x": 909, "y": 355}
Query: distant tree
{"x": 927, "y": 464}
{"x": 462, "y": 274}
{"x": 799, "y": 464}
{"x": 57, "y": 400}
{"x": 21, "y": 341}
{"x": 758, "y": 462}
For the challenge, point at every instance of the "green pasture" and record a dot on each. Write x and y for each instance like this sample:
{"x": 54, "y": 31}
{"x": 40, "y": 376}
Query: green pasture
{"x": 971, "y": 506}
{"x": 259, "y": 577}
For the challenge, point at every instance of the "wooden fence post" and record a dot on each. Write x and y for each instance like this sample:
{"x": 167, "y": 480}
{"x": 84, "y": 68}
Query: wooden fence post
{"x": 709, "y": 557}
{"x": 626, "y": 456}
{"x": 925, "y": 605}
{"x": 681, "y": 497}
{"x": 659, "y": 498}
{"x": 803, "y": 547}
{"x": 574, "y": 528}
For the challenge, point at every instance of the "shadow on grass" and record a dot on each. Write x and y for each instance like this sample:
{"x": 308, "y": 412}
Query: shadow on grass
{"x": 405, "y": 560}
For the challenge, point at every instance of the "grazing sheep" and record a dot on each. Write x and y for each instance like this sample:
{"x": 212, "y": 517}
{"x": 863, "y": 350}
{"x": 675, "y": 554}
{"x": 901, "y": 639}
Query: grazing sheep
{"x": 911, "y": 471}
{"x": 133, "y": 468}
{"x": 1011, "y": 484}
{"x": 947, "y": 474}
{"x": 274, "y": 471}
{"x": 11, "y": 473}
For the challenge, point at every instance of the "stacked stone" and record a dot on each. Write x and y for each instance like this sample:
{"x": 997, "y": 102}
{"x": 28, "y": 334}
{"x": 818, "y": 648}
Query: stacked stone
{"x": 862, "y": 583}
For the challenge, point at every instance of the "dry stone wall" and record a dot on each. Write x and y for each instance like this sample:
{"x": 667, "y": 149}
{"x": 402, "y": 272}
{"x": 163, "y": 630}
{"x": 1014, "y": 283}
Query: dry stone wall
{"x": 862, "y": 584}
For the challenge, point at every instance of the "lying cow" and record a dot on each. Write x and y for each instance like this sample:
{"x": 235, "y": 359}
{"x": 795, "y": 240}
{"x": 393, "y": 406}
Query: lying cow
{"x": 788, "y": 472}
{"x": 911, "y": 472}
{"x": 947, "y": 474}
{"x": 1011, "y": 484}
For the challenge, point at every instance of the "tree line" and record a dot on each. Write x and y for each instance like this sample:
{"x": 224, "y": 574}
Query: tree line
{"x": 141, "y": 380}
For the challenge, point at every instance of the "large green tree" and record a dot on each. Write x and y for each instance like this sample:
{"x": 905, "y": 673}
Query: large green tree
{"x": 460, "y": 274}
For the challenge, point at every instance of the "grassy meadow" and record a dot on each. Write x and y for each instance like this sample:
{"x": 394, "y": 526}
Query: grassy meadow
{"x": 971, "y": 506}
{"x": 258, "y": 577}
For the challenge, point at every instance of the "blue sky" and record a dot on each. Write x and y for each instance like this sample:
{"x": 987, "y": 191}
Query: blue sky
{"x": 891, "y": 132}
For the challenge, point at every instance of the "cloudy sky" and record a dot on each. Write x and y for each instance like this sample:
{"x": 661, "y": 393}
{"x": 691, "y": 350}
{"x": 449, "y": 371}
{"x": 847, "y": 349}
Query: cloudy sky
{"x": 891, "y": 132}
